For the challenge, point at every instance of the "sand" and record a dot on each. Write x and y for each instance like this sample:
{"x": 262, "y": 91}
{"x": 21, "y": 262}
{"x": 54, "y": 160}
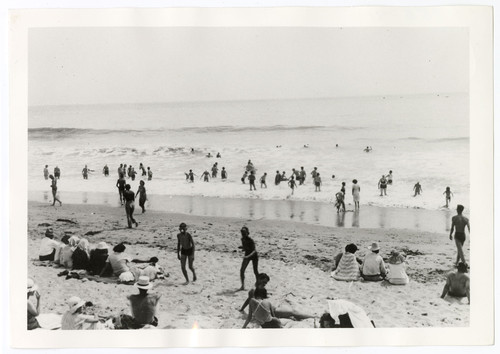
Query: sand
{"x": 298, "y": 258}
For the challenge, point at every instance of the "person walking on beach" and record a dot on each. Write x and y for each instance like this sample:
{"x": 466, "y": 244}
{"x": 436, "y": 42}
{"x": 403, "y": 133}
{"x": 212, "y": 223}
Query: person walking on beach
{"x": 57, "y": 172}
{"x": 215, "y": 169}
{"x": 389, "y": 178}
{"x": 302, "y": 175}
{"x": 457, "y": 284}
{"x": 277, "y": 178}
{"x": 317, "y": 183}
{"x": 46, "y": 172}
{"x": 248, "y": 246}
{"x": 382, "y": 185}
{"x": 150, "y": 174}
{"x": 53, "y": 186}
{"x": 458, "y": 224}
{"x": 417, "y": 188}
{"x": 223, "y": 174}
{"x": 129, "y": 197}
{"x": 356, "y": 189}
{"x": 206, "y": 176}
{"x": 142, "y": 195}
{"x": 185, "y": 250}
{"x": 263, "y": 180}
{"x": 245, "y": 174}
{"x": 251, "y": 180}
{"x": 292, "y": 183}
{"x": 105, "y": 171}
{"x": 120, "y": 184}
{"x": 143, "y": 170}
{"x": 448, "y": 194}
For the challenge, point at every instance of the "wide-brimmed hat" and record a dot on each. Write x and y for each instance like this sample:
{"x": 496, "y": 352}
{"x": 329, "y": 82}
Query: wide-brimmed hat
{"x": 31, "y": 285}
{"x": 102, "y": 246}
{"x": 75, "y": 303}
{"x": 374, "y": 247}
{"x": 143, "y": 283}
{"x": 396, "y": 257}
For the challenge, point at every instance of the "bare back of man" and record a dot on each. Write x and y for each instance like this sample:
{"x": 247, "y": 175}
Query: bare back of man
{"x": 458, "y": 224}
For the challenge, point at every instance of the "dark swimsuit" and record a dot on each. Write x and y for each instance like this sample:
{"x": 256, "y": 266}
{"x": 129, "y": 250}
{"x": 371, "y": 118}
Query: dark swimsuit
{"x": 460, "y": 236}
{"x": 187, "y": 251}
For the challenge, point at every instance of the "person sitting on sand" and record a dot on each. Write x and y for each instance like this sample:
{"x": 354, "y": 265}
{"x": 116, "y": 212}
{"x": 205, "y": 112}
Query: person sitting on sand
{"x": 129, "y": 197}
{"x": 346, "y": 265}
{"x": 53, "y": 186}
{"x": 66, "y": 254}
{"x": 373, "y": 268}
{"x": 248, "y": 246}
{"x": 185, "y": 251}
{"x": 49, "y": 248}
{"x": 262, "y": 311}
{"x": 118, "y": 261}
{"x": 448, "y": 193}
{"x": 396, "y": 274}
{"x": 458, "y": 224}
{"x": 143, "y": 307}
{"x": 223, "y": 174}
{"x": 74, "y": 319}
{"x": 262, "y": 280}
{"x": 457, "y": 284}
{"x": 263, "y": 180}
{"x": 277, "y": 178}
{"x": 141, "y": 191}
{"x": 251, "y": 180}
{"x": 81, "y": 255}
{"x": 417, "y": 188}
{"x": 33, "y": 308}
{"x": 98, "y": 257}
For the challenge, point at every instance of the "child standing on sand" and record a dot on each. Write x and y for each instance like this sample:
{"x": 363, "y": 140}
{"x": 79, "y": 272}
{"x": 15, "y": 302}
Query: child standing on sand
{"x": 142, "y": 195}
{"x": 448, "y": 193}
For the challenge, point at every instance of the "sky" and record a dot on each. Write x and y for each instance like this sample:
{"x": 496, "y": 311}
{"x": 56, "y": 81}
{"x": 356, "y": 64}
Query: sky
{"x": 91, "y": 65}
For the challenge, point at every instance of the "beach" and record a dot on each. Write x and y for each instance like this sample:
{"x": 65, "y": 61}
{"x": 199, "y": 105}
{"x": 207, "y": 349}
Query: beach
{"x": 297, "y": 256}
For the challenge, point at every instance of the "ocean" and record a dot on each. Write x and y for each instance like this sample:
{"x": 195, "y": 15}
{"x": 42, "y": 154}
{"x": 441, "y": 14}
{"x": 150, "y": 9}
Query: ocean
{"x": 422, "y": 138}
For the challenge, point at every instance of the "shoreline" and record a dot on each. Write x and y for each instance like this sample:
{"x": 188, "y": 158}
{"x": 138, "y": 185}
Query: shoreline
{"x": 298, "y": 258}
{"x": 308, "y": 212}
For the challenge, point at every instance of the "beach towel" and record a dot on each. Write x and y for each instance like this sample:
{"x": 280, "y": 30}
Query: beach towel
{"x": 357, "y": 315}
{"x": 49, "y": 321}
{"x": 348, "y": 268}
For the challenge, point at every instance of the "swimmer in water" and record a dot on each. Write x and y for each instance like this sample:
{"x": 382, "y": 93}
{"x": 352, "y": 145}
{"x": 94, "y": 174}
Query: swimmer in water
{"x": 46, "y": 172}
{"x": 223, "y": 174}
{"x": 417, "y": 188}
{"x": 150, "y": 174}
{"x": 243, "y": 178}
{"x": 206, "y": 176}
{"x": 448, "y": 193}
{"x": 251, "y": 181}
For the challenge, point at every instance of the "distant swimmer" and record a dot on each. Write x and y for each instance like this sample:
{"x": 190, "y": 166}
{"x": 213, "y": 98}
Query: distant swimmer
{"x": 120, "y": 184}
{"x": 302, "y": 175}
{"x": 382, "y": 185}
{"x": 278, "y": 146}
{"x": 277, "y": 178}
{"x": 206, "y": 176}
{"x": 192, "y": 150}
{"x": 418, "y": 189}
{"x": 243, "y": 178}
{"x": 191, "y": 176}
{"x": 314, "y": 172}
{"x": 223, "y": 174}
{"x": 336, "y": 145}
{"x": 368, "y": 149}
{"x": 448, "y": 193}
{"x": 142, "y": 195}
{"x": 53, "y": 186}
{"x": 218, "y": 155}
{"x": 133, "y": 174}
{"x": 215, "y": 169}
{"x": 263, "y": 180}
{"x": 333, "y": 176}
{"x": 46, "y": 172}
{"x": 356, "y": 189}
{"x": 306, "y": 145}
{"x": 389, "y": 178}
{"x": 150, "y": 174}
{"x": 185, "y": 251}
{"x": 105, "y": 171}
{"x": 251, "y": 180}
{"x": 209, "y": 155}
{"x": 458, "y": 224}
{"x": 129, "y": 197}
{"x": 57, "y": 172}
{"x": 143, "y": 170}
{"x": 317, "y": 183}
{"x": 283, "y": 176}
{"x": 86, "y": 171}
{"x": 292, "y": 184}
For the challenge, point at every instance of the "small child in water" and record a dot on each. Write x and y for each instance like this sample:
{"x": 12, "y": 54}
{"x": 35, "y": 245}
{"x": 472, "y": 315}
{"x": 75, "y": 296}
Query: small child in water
{"x": 448, "y": 193}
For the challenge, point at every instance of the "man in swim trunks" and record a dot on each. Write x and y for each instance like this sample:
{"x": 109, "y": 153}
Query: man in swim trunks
{"x": 185, "y": 250}
{"x": 457, "y": 284}
{"x": 215, "y": 169}
{"x": 85, "y": 172}
{"x": 248, "y": 247}
{"x": 129, "y": 197}
{"x": 223, "y": 174}
{"x": 458, "y": 224}
{"x": 120, "y": 184}
{"x": 263, "y": 180}
{"x": 150, "y": 174}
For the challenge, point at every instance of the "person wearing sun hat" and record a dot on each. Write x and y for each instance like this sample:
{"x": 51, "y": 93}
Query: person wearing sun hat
{"x": 373, "y": 268}
{"x": 98, "y": 257}
{"x": 142, "y": 305}
{"x": 33, "y": 310}
{"x": 74, "y": 319}
{"x": 397, "y": 269}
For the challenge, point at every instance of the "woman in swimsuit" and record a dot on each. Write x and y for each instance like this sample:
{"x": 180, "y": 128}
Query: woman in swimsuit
{"x": 248, "y": 246}
{"x": 54, "y": 190}
{"x": 262, "y": 311}
{"x": 142, "y": 195}
{"x": 382, "y": 185}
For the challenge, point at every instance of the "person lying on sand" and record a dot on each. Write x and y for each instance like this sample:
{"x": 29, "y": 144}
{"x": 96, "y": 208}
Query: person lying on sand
{"x": 262, "y": 311}
{"x": 143, "y": 307}
{"x": 33, "y": 305}
{"x": 74, "y": 319}
{"x": 457, "y": 283}
{"x": 185, "y": 251}
{"x": 373, "y": 268}
{"x": 151, "y": 269}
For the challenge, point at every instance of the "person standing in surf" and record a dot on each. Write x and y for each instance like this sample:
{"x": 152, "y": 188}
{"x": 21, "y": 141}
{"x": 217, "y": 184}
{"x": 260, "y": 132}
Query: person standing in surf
{"x": 448, "y": 194}
{"x": 46, "y": 172}
{"x": 223, "y": 174}
{"x": 143, "y": 170}
{"x": 57, "y": 172}
{"x": 206, "y": 176}
{"x": 277, "y": 178}
{"x": 215, "y": 169}
{"x": 317, "y": 183}
{"x": 248, "y": 247}
{"x": 142, "y": 195}
{"x": 105, "y": 171}
{"x": 185, "y": 251}
{"x": 53, "y": 186}
{"x": 243, "y": 178}
{"x": 292, "y": 184}
{"x": 458, "y": 224}
{"x": 389, "y": 178}
{"x": 251, "y": 180}
{"x": 382, "y": 185}
{"x": 417, "y": 188}
{"x": 356, "y": 189}
{"x": 150, "y": 174}
{"x": 302, "y": 175}
{"x": 263, "y": 180}
{"x": 129, "y": 197}
{"x": 120, "y": 184}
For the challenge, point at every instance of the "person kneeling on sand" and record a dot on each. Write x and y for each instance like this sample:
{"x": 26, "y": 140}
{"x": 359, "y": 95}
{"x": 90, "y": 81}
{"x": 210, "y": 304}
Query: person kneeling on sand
{"x": 457, "y": 284}
{"x": 143, "y": 306}
{"x": 373, "y": 268}
{"x": 74, "y": 319}
{"x": 346, "y": 265}
{"x": 397, "y": 269}
{"x": 262, "y": 311}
